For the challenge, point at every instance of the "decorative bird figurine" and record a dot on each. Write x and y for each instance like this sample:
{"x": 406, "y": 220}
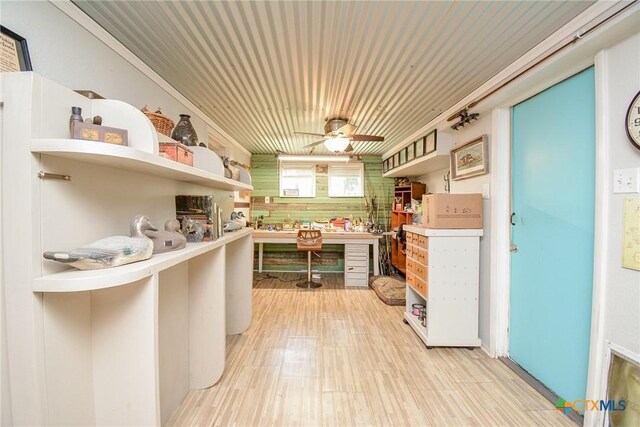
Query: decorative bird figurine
{"x": 111, "y": 251}
{"x": 170, "y": 239}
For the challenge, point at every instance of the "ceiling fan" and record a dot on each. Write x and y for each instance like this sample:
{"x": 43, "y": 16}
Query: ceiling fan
{"x": 339, "y": 135}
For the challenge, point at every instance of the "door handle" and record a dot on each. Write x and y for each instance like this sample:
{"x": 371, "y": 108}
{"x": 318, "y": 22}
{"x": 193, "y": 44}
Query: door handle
{"x": 512, "y": 215}
{"x": 513, "y": 248}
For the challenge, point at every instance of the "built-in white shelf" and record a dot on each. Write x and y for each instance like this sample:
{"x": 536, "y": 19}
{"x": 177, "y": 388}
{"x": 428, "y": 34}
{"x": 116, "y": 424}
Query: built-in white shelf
{"x": 421, "y": 166}
{"x": 131, "y": 159}
{"x": 438, "y": 160}
{"x": 89, "y": 280}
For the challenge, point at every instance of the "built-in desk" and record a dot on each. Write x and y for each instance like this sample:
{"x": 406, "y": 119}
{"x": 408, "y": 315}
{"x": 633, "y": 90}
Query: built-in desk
{"x": 336, "y": 238}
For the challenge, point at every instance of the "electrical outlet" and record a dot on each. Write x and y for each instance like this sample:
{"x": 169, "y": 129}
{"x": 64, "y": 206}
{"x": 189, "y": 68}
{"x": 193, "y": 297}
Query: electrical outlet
{"x": 267, "y": 199}
{"x": 485, "y": 191}
{"x": 626, "y": 180}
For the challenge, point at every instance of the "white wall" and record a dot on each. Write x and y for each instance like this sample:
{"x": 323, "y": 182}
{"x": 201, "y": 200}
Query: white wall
{"x": 622, "y": 301}
{"x": 618, "y": 293}
{"x": 65, "y": 52}
{"x": 435, "y": 183}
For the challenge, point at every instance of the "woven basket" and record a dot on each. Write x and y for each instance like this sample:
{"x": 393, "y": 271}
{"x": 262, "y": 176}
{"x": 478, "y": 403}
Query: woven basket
{"x": 163, "y": 124}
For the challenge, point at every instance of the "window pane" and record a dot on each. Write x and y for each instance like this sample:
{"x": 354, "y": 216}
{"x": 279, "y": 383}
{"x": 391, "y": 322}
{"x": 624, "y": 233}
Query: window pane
{"x": 304, "y": 185}
{"x": 297, "y": 180}
{"x": 346, "y": 181}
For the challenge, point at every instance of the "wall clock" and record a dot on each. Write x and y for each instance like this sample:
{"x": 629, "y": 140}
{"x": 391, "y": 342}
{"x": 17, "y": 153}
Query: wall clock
{"x": 633, "y": 121}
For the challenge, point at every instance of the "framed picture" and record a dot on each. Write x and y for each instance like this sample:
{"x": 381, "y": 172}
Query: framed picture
{"x": 411, "y": 151}
{"x": 470, "y": 159}
{"x": 403, "y": 156}
{"x": 14, "y": 54}
{"x": 430, "y": 142}
{"x": 419, "y": 147}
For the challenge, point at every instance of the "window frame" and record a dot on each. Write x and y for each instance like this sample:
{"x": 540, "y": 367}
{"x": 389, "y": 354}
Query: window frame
{"x": 330, "y": 173}
{"x": 296, "y": 165}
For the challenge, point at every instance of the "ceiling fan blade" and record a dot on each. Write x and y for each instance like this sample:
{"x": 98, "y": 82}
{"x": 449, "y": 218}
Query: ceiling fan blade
{"x": 346, "y": 129}
{"x": 366, "y": 138}
{"x": 313, "y": 144}
{"x": 308, "y": 133}
{"x": 348, "y": 149}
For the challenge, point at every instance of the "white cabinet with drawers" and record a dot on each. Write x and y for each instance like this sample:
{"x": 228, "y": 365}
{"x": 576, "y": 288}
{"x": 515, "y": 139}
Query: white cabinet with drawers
{"x": 356, "y": 264}
{"x": 443, "y": 275}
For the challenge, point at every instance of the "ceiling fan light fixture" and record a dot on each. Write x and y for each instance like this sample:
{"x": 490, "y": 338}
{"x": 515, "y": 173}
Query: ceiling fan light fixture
{"x": 336, "y": 144}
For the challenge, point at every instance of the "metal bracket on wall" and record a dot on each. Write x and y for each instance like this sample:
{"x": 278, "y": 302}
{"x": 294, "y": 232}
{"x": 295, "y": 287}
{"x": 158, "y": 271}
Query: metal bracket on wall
{"x": 47, "y": 175}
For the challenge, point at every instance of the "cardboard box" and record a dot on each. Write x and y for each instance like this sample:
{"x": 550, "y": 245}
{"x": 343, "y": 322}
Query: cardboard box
{"x": 452, "y": 210}
{"x": 91, "y": 132}
{"x": 178, "y": 152}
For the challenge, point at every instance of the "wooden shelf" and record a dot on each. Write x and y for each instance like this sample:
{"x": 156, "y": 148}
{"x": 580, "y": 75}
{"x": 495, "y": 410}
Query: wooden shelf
{"x": 88, "y": 280}
{"x": 405, "y": 194}
{"x": 131, "y": 159}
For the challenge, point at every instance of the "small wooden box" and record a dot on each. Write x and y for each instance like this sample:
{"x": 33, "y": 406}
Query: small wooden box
{"x": 178, "y": 152}
{"x": 91, "y": 132}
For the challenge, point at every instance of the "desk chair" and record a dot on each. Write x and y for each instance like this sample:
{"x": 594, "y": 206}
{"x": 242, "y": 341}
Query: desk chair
{"x": 309, "y": 241}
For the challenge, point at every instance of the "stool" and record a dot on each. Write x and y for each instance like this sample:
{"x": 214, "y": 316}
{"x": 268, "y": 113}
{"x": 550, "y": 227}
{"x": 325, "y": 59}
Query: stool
{"x": 309, "y": 241}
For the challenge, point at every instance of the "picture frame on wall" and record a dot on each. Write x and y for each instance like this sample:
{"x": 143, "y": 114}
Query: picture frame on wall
{"x": 470, "y": 159}
{"x": 419, "y": 147}
{"x": 411, "y": 152}
{"x": 430, "y": 143}
{"x": 14, "y": 53}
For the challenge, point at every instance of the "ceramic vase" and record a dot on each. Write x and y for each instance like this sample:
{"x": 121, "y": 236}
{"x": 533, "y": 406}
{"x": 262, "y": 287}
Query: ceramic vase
{"x": 184, "y": 131}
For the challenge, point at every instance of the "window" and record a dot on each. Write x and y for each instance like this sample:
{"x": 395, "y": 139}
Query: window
{"x": 346, "y": 180}
{"x": 297, "y": 180}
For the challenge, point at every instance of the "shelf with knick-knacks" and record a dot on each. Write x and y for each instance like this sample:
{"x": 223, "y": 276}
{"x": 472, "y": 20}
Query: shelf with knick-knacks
{"x": 112, "y": 330}
{"x": 131, "y": 159}
{"x": 140, "y": 154}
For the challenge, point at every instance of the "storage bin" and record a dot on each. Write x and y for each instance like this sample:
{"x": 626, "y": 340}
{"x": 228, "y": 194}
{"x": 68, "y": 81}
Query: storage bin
{"x": 452, "y": 210}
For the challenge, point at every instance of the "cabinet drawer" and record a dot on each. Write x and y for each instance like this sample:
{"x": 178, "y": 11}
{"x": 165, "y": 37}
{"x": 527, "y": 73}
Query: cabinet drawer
{"x": 412, "y": 251}
{"x": 409, "y": 278}
{"x": 356, "y": 269}
{"x": 356, "y": 249}
{"x": 356, "y": 275}
{"x": 410, "y": 264}
{"x": 423, "y": 241}
{"x": 358, "y": 262}
{"x": 356, "y": 256}
{"x": 422, "y": 256}
{"x": 356, "y": 282}
{"x": 418, "y": 285}
{"x": 419, "y": 269}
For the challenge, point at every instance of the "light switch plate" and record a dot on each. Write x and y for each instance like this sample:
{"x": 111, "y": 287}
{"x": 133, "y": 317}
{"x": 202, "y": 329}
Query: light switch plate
{"x": 267, "y": 199}
{"x": 626, "y": 180}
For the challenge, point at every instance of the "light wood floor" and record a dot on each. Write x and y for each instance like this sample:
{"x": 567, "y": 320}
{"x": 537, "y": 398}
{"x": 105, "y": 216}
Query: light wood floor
{"x": 340, "y": 357}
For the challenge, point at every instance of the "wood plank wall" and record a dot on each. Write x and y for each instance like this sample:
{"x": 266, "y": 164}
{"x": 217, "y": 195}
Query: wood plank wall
{"x": 265, "y": 178}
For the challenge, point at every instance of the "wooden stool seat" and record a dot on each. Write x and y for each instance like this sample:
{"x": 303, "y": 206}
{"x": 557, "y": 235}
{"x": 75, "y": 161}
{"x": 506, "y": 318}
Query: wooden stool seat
{"x": 309, "y": 241}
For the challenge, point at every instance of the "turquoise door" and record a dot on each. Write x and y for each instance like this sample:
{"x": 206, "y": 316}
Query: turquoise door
{"x": 553, "y": 191}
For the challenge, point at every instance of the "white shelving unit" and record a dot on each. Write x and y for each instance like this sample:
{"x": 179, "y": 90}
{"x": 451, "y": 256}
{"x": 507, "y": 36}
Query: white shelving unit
{"x": 443, "y": 273}
{"x": 119, "y": 346}
{"x": 432, "y": 162}
{"x": 131, "y": 159}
